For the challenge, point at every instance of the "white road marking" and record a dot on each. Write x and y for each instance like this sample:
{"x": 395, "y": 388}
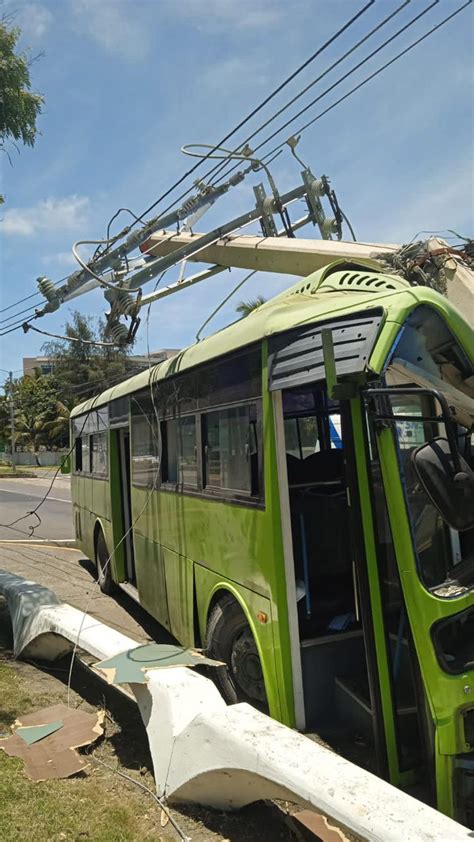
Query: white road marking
{"x": 36, "y": 496}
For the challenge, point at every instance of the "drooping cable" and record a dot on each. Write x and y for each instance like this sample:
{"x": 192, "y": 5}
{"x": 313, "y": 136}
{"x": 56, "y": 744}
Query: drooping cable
{"x": 223, "y": 302}
{"x": 27, "y": 327}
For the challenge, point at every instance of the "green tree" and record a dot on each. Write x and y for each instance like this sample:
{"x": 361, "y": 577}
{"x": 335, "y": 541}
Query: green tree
{"x": 30, "y": 431}
{"x": 57, "y": 428}
{"x": 20, "y": 107}
{"x": 81, "y": 370}
{"x": 247, "y": 307}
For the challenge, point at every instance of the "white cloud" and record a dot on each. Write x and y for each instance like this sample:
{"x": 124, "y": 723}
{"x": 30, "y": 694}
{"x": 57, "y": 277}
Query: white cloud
{"x": 34, "y": 21}
{"x": 60, "y": 258}
{"x": 224, "y": 15}
{"x": 48, "y": 215}
{"x": 115, "y": 26}
{"x": 234, "y": 73}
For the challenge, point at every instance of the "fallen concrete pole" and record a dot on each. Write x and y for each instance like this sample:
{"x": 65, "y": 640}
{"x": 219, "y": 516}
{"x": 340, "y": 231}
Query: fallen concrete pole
{"x": 226, "y": 756}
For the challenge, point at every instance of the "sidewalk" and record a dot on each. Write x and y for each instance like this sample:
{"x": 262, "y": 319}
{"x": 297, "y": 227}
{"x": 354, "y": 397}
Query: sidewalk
{"x": 71, "y": 577}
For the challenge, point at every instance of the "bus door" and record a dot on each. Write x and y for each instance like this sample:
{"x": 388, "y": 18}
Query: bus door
{"x": 334, "y": 609}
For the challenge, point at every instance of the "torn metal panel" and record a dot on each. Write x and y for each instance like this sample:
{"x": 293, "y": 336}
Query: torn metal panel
{"x": 131, "y": 667}
{"x": 53, "y": 755}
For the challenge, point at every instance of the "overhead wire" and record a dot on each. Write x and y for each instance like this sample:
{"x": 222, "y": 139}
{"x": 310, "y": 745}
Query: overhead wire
{"x": 315, "y": 81}
{"x": 223, "y": 302}
{"x": 28, "y": 297}
{"x": 345, "y": 76}
{"x": 260, "y": 106}
{"x": 365, "y": 81}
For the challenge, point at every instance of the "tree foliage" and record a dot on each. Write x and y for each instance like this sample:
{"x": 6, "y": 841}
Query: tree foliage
{"x": 82, "y": 370}
{"x": 19, "y": 106}
{"x": 43, "y": 402}
{"x": 247, "y": 307}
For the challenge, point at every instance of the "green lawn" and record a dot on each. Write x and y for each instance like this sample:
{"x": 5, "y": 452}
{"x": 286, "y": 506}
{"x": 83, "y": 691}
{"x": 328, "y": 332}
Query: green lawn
{"x": 100, "y": 807}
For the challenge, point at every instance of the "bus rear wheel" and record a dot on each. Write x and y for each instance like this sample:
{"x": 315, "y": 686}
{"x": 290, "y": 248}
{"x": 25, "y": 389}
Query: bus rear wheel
{"x": 230, "y": 639}
{"x": 104, "y": 573}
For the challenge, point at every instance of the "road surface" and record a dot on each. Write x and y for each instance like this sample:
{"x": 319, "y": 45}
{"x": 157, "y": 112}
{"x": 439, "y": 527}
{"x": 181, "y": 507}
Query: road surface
{"x": 20, "y": 496}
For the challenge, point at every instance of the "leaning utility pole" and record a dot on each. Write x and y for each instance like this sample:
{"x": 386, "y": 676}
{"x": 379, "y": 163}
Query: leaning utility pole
{"x": 12, "y": 418}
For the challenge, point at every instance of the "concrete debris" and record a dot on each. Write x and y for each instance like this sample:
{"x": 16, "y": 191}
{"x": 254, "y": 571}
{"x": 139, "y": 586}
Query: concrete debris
{"x": 131, "y": 667}
{"x": 52, "y": 754}
{"x": 317, "y": 828}
{"x": 222, "y": 756}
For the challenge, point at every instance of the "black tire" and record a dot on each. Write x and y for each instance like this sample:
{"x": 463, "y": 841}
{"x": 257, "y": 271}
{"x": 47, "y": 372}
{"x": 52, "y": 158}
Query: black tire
{"x": 230, "y": 639}
{"x": 104, "y": 572}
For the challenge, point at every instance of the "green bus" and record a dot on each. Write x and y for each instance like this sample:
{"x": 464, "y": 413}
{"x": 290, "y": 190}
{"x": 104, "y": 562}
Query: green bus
{"x": 294, "y": 494}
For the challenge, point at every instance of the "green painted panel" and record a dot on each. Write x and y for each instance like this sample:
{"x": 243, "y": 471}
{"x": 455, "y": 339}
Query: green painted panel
{"x": 151, "y": 584}
{"x": 375, "y": 594}
{"x": 130, "y": 667}
{"x": 179, "y": 590}
{"x": 445, "y": 693}
{"x": 33, "y": 733}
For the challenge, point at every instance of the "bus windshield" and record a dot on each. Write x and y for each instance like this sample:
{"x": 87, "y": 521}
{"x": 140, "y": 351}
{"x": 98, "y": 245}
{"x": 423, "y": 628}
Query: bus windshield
{"x": 428, "y": 355}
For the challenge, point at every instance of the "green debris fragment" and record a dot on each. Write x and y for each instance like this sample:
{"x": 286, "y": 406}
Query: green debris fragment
{"x": 34, "y": 733}
{"x": 130, "y": 667}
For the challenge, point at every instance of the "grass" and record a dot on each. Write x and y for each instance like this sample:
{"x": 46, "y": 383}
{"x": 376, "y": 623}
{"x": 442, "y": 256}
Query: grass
{"x": 99, "y": 806}
{"x": 7, "y": 471}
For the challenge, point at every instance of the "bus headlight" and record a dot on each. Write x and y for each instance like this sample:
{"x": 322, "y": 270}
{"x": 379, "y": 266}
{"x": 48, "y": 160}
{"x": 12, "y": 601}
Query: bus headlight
{"x": 453, "y": 639}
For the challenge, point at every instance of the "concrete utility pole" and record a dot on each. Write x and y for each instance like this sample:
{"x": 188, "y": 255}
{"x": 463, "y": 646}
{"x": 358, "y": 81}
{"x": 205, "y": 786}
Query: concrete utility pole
{"x": 12, "y": 418}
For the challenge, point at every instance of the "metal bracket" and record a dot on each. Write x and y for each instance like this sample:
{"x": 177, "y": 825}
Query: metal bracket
{"x": 265, "y": 206}
{"x": 315, "y": 189}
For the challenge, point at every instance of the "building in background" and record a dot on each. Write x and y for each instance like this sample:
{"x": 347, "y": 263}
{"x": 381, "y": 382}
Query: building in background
{"x": 46, "y": 364}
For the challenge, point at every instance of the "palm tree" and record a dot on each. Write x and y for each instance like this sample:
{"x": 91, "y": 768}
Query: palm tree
{"x": 58, "y": 428}
{"x": 30, "y": 431}
{"x": 247, "y": 307}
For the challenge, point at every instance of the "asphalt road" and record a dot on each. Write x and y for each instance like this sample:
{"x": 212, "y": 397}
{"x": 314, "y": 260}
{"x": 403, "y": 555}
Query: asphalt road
{"x": 20, "y": 496}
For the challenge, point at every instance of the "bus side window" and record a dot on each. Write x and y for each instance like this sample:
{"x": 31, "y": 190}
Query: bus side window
{"x": 78, "y": 455}
{"x": 231, "y": 457}
{"x": 180, "y": 451}
{"x": 99, "y": 453}
{"x": 85, "y": 455}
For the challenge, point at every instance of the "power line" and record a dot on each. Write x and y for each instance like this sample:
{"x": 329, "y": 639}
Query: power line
{"x": 311, "y": 84}
{"x": 259, "y": 107}
{"x": 28, "y": 297}
{"x": 70, "y": 338}
{"x": 16, "y": 326}
{"x": 365, "y": 81}
{"x": 341, "y": 79}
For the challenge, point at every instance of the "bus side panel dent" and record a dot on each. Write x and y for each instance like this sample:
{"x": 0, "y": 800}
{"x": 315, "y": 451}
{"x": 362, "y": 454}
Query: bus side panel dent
{"x": 208, "y": 587}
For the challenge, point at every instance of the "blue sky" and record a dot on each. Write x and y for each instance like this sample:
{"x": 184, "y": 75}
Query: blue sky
{"x": 127, "y": 82}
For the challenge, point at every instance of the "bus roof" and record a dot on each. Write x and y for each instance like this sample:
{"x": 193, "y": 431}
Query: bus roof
{"x": 337, "y": 289}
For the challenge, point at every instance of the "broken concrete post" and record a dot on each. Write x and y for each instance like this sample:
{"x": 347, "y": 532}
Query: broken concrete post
{"x": 226, "y": 756}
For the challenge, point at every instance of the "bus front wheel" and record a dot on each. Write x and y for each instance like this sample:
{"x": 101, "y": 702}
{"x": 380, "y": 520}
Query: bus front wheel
{"x": 104, "y": 573}
{"x": 230, "y": 639}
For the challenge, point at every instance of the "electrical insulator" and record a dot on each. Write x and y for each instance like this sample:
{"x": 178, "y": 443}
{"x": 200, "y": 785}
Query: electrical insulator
{"x": 118, "y": 332}
{"x": 47, "y": 288}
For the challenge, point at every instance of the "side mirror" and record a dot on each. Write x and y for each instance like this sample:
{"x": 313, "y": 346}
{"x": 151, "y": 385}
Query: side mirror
{"x": 448, "y": 481}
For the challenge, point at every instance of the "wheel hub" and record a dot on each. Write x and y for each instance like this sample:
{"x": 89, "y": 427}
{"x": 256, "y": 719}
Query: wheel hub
{"x": 246, "y": 667}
